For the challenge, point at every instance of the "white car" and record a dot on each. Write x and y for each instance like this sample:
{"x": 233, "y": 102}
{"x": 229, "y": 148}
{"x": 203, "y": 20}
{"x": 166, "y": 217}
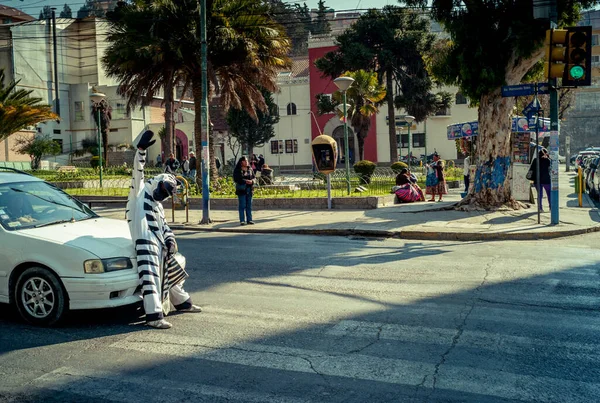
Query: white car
{"x": 57, "y": 254}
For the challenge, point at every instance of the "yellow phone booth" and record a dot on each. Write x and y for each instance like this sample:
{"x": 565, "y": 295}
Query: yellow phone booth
{"x": 325, "y": 153}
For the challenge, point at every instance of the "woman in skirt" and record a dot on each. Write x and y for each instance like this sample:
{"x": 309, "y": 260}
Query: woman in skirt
{"x": 436, "y": 180}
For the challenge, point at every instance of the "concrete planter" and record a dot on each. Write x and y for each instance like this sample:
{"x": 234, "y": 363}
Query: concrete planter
{"x": 338, "y": 203}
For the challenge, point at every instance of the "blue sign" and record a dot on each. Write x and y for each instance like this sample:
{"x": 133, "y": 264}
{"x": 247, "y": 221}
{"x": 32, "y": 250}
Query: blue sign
{"x": 543, "y": 88}
{"x": 532, "y": 108}
{"x": 518, "y": 90}
{"x": 521, "y": 124}
{"x": 460, "y": 130}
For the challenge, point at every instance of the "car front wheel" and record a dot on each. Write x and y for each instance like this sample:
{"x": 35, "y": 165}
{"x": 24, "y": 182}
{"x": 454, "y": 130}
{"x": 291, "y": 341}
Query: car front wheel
{"x": 40, "y": 297}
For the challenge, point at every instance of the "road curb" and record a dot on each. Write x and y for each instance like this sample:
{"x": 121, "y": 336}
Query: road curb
{"x": 403, "y": 234}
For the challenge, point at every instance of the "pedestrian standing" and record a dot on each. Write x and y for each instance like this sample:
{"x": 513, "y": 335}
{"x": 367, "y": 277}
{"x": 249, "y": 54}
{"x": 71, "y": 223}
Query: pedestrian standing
{"x": 545, "y": 180}
{"x": 158, "y": 161}
{"x": 436, "y": 179}
{"x": 467, "y": 173}
{"x": 171, "y": 165}
{"x": 193, "y": 166}
{"x": 243, "y": 176}
{"x": 185, "y": 167}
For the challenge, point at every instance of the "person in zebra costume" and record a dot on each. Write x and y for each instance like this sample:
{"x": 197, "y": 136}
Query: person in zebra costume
{"x": 160, "y": 274}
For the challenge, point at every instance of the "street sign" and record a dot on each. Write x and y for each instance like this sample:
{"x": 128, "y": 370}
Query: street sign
{"x": 517, "y": 90}
{"x": 531, "y": 109}
{"x": 521, "y": 90}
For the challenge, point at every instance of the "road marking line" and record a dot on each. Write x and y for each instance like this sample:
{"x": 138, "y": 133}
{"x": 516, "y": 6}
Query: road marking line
{"x": 116, "y": 386}
{"x": 358, "y": 366}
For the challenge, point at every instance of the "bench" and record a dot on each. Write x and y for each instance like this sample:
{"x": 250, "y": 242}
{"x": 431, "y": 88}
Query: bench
{"x": 67, "y": 168}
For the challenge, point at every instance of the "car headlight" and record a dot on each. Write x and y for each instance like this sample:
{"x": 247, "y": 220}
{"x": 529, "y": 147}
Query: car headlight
{"x": 93, "y": 266}
{"x": 96, "y": 266}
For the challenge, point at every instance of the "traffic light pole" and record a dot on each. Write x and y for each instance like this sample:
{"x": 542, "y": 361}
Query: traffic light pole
{"x": 554, "y": 129}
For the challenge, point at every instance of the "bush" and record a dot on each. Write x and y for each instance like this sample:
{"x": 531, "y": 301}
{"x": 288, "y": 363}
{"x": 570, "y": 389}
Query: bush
{"x": 95, "y": 162}
{"x": 365, "y": 169}
{"x": 398, "y": 166}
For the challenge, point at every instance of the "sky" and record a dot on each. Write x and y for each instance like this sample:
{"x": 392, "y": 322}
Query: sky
{"x": 33, "y": 7}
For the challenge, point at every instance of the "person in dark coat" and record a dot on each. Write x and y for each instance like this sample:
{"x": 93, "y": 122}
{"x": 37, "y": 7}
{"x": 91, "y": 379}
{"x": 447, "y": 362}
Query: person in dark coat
{"x": 243, "y": 176}
{"x": 545, "y": 180}
{"x": 171, "y": 165}
{"x": 193, "y": 165}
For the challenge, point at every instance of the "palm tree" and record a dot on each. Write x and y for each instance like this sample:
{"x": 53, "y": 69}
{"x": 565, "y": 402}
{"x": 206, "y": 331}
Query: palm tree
{"x": 141, "y": 57}
{"x": 19, "y": 110}
{"x": 102, "y": 120}
{"x": 365, "y": 96}
{"x": 246, "y": 50}
{"x": 155, "y": 43}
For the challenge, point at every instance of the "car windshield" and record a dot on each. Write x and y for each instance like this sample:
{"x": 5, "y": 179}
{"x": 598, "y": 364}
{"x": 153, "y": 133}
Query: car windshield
{"x": 36, "y": 204}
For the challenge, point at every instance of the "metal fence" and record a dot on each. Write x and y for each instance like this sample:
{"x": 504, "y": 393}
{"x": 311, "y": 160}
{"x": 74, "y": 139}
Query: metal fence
{"x": 116, "y": 182}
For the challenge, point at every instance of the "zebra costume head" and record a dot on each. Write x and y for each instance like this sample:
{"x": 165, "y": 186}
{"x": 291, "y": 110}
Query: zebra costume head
{"x": 162, "y": 186}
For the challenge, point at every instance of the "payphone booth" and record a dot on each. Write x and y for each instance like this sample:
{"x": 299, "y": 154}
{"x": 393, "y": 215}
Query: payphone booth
{"x": 324, "y": 149}
{"x": 325, "y": 153}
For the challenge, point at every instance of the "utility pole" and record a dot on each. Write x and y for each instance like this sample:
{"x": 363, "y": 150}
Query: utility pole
{"x": 54, "y": 42}
{"x": 205, "y": 161}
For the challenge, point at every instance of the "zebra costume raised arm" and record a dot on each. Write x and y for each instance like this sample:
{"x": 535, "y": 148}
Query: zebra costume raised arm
{"x": 161, "y": 278}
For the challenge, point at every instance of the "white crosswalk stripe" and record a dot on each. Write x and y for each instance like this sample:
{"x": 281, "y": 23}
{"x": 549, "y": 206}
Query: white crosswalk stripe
{"x": 501, "y": 384}
{"x": 115, "y": 387}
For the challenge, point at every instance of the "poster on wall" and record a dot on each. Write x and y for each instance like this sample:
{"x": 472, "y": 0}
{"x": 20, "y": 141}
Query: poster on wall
{"x": 520, "y": 147}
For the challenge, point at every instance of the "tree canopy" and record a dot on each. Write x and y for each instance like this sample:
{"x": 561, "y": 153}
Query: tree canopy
{"x": 66, "y": 12}
{"x": 492, "y": 44}
{"x": 395, "y": 43}
{"x": 250, "y": 132}
{"x": 36, "y": 148}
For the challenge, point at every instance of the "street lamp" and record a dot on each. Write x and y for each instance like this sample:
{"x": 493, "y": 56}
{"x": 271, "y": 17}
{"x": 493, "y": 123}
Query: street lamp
{"x": 408, "y": 119}
{"x": 97, "y": 98}
{"x": 343, "y": 83}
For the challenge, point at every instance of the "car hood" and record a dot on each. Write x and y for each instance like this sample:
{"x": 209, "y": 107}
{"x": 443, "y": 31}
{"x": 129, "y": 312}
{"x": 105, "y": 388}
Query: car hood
{"x": 103, "y": 237}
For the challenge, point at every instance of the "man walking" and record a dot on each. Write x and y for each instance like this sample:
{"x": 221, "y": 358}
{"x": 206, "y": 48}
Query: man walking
{"x": 185, "y": 167}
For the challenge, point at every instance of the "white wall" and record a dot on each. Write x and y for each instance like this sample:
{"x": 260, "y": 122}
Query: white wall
{"x": 291, "y": 127}
{"x": 434, "y": 128}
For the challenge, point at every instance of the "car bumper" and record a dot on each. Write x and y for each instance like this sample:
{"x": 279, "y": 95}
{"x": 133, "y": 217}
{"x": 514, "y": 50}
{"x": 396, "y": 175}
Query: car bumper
{"x": 104, "y": 291}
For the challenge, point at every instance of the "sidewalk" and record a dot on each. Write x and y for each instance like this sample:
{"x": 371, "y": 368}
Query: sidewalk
{"x": 426, "y": 221}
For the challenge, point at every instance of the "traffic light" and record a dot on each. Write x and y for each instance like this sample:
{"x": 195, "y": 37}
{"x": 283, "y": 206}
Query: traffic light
{"x": 579, "y": 57}
{"x": 569, "y": 55}
{"x": 556, "y": 53}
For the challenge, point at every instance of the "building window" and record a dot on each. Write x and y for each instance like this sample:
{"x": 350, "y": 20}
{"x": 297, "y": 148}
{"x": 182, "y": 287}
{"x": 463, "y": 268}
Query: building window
{"x": 291, "y": 108}
{"x": 443, "y": 112}
{"x": 595, "y": 60}
{"x": 460, "y": 99}
{"x": 78, "y": 108}
{"x": 418, "y": 139}
{"x": 402, "y": 140}
{"x": 277, "y": 147}
{"x": 291, "y": 146}
{"x": 594, "y": 40}
{"x": 119, "y": 110}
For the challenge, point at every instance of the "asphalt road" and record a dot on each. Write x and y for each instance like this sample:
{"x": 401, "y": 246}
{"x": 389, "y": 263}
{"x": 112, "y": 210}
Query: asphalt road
{"x": 330, "y": 319}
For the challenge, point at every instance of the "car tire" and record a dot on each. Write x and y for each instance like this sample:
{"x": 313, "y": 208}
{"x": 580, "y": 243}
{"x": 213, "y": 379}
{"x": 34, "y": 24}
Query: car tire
{"x": 40, "y": 297}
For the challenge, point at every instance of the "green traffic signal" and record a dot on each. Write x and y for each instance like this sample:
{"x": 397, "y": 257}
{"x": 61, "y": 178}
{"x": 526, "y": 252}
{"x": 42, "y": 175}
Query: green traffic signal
{"x": 577, "y": 72}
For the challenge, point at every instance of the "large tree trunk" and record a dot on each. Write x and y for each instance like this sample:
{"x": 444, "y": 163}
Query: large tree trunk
{"x": 491, "y": 184}
{"x": 391, "y": 117}
{"x": 492, "y": 177}
{"x": 361, "y": 146}
{"x": 169, "y": 123}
